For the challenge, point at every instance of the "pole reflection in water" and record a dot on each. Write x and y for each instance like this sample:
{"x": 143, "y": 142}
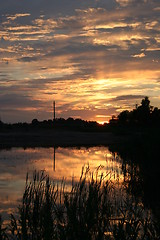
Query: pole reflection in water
{"x": 54, "y": 159}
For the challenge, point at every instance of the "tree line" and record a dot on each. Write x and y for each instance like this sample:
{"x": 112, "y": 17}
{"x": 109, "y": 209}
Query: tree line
{"x": 142, "y": 115}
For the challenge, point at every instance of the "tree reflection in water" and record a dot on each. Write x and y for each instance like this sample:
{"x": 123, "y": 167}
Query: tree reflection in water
{"x": 140, "y": 166}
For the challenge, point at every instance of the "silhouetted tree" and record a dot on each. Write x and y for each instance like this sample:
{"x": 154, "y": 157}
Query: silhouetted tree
{"x": 143, "y": 111}
{"x": 145, "y": 103}
{"x": 35, "y": 122}
{"x": 141, "y": 115}
{"x": 156, "y": 116}
{"x": 123, "y": 117}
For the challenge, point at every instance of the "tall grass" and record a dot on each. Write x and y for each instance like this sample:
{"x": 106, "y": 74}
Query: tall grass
{"x": 88, "y": 208}
{"x": 88, "y": 211}
{"x": 3, "y": 234}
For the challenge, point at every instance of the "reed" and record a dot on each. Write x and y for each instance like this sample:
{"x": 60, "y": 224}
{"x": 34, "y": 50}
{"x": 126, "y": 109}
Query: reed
{"x": 3, "y": 235}
{"x": 88, "y": 211}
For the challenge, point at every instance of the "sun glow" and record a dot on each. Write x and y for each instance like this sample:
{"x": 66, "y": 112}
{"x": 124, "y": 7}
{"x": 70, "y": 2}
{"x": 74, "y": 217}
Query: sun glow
{"x": 102, "y": 122}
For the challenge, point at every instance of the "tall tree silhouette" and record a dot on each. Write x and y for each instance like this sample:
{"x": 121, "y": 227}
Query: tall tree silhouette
{"x": 141, "y": 115}
{"x": 143, "y": 111}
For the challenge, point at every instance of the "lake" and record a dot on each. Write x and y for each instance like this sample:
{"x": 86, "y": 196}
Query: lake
{"x": 129, "y": 189}
{"x": 59, "y": 163}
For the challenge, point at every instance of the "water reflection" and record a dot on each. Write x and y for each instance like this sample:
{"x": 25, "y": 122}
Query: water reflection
{"x": 59, "y": 163}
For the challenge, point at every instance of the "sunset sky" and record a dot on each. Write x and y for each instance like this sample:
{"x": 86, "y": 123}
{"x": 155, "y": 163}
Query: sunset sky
{"x": 95, "y": 58}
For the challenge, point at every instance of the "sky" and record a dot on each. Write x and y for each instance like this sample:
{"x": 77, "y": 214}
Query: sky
{"x": 95, "y": 58}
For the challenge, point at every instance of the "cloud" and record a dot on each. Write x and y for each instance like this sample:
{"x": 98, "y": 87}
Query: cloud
{"x": 27, "y": 59}
{"x": 125, "y": 2}
{"x": 127, "y": 97}
{"x": 43, "y": 7}
{"x": 17, "y": 15}
{"x": 78, "y": 52}
{"x": 17, "y": 101}
{"x": 141, "y": 55}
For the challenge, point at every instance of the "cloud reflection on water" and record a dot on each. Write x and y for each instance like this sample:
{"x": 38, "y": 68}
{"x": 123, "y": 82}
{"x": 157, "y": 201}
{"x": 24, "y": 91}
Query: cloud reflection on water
{"x": 16, "y": 162}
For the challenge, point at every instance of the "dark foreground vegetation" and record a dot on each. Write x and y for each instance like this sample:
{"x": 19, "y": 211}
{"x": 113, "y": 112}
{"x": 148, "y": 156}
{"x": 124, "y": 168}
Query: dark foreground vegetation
{"x": 141, "y": 151}
{"x": 142, "y": 115}
{"x": 141, "y": 155}
{"x": 93, "y": 209}
{"x": 57, "y": 124}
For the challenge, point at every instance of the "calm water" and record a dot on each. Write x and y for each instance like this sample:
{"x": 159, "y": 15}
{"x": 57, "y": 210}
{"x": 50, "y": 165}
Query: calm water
{"x": 59, "y": 163}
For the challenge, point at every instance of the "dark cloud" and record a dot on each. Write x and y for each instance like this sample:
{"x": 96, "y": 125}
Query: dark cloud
{"x": 28, "y": 59}
{"x": 127, "y": 97}
{"x": 17, "y": 100}
{"x": 51, "y": 6}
